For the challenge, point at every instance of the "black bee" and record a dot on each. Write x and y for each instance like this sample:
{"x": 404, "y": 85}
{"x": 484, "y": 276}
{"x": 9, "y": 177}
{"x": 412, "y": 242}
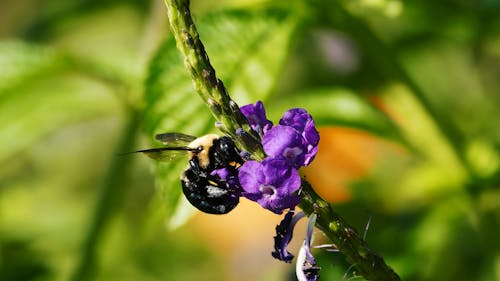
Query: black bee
{"x": 201, "y": 185}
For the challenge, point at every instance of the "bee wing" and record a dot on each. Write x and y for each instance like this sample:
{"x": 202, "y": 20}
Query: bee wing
{"x": 175, "y": 147}
{"x": 175, "y": 139}
{"x": 166, "y": 154}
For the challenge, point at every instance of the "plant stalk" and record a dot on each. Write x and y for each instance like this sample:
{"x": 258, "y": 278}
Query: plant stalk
{"x": 226, "y": 111}
{"x": 112, "y": 191}
{"x": 229, "y": 118}
{"x": 346, "y": 239}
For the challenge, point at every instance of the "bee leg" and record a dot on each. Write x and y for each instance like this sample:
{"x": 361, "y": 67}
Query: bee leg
{"x": 196, "y": 170}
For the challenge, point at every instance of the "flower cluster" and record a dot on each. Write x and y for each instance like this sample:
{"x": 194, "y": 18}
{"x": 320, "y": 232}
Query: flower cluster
{"x": 274, "y": 182}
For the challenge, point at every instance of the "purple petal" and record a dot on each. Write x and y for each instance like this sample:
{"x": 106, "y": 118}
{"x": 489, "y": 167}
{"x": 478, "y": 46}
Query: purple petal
{"x": 289, "y": 182}
{"x": 302, "y": 121}
{"x": 281, "y": 203}
{"x": 284, "y": 234}
{"x": 250, "y": 176}
{"x": 256, "y": 116}
{"x": 296, "y": 118}
{"x": 275, "y": 171}
{"x": 222, "y": 173}
{"x": 310, "y": 133}
{"x": 309, "y": 157}
{"x": 284, "y": 142}
{"x": 227, "y": 179}
{"x": 271, "y": 183}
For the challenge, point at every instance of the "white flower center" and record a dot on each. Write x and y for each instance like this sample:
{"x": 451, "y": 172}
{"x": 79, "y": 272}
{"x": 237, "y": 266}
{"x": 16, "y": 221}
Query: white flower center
{"x": 291, "y": 152}
{"x": 269, "y": 190}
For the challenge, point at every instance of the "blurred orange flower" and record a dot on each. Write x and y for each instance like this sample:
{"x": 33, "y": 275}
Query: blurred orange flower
{"x": 344, "y": 156}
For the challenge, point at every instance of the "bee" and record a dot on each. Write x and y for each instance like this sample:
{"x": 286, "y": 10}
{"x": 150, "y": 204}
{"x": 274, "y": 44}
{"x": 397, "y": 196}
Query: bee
{"x": 201, "y": 184}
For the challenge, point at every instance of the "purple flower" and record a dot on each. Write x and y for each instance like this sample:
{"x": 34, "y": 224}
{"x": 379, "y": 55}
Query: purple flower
{"x": 284, "y": 234}
{"x": 284, "y": 142}
{"x": 228, "y": 179}
{"x": 256, "y": 116}
{"x": 301, "y": 120}
{"x": 272, "y": 183}
{"x": 222, "y": 173}
{"x": 306, "y": 268}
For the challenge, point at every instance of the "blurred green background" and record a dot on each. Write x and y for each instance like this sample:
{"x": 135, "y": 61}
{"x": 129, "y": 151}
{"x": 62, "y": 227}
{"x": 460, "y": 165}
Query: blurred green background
{"x": 406, "y": 95}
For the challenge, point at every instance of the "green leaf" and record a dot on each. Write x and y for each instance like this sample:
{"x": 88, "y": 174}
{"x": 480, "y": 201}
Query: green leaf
{"x": 247, "y": 50}
{"x": 249, "y": 55}
{"x": 40, "y": 96}
{"x": 21, "y": 61}
{"x": 338, "y": 107}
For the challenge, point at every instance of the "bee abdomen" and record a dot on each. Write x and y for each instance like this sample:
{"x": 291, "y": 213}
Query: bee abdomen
{"x": 207, "y": 197}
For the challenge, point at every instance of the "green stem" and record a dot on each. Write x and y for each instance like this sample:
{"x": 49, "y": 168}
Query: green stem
{"x": 212, "y": 91}
{"x": 346, "y": 239}
{"x": 209, "y": 87}
{"x": 111, "y": 193}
